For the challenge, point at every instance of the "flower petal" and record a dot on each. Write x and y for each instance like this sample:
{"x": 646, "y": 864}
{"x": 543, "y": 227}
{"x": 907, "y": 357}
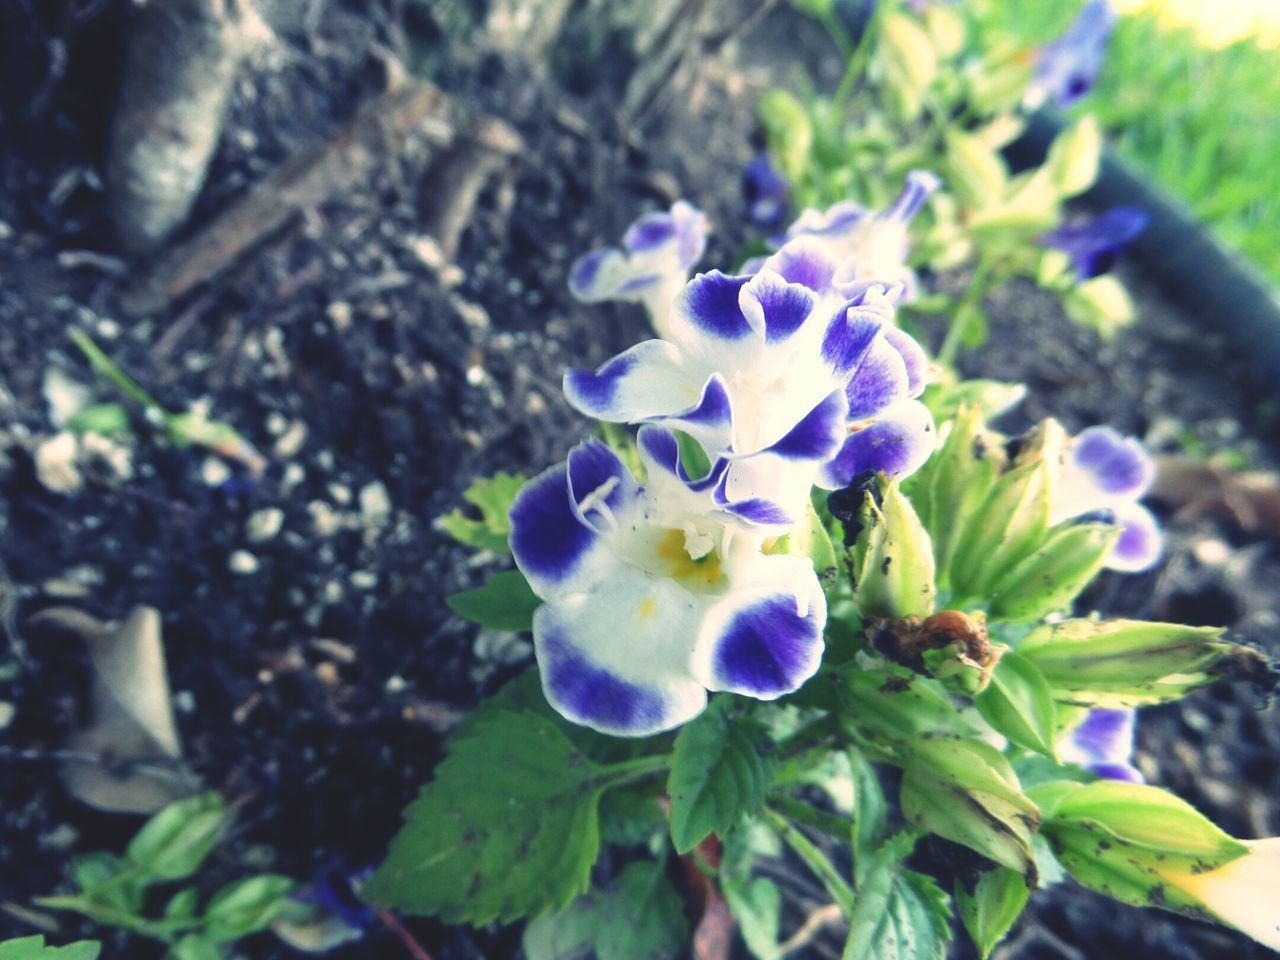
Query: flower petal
{"x": 805, "y": 260}
{"x": 881, "y": 380}
{"x": 617, "y": 659}
{"x": 853, "y": 330}
{"x": 897, "y": 444}
{"x": 1140, "y": 543}
{"x": 552, "y": 547}
{"x": 601, "y": 488}
{"x": 1103, "y": 743}
{"x": 775, "y": 306}
{"x": 764, "y": 641}
{"x": 1116, "y": 466}
{"x": 913, "y": 355}
{"x": 645, "y": 381}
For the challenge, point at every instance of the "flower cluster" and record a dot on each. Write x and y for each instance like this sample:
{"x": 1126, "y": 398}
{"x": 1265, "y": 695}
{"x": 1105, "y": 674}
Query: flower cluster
{"x": 788, "y": 377}
{"x": 1067, "y": 68}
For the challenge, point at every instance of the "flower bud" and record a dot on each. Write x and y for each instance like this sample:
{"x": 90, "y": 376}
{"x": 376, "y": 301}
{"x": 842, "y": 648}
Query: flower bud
{"x": 895, "y": 569}
{"x": 1123, "y": 663}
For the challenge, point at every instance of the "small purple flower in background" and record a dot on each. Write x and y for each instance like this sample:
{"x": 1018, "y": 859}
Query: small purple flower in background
{"x": 1103, "y": 477}
{"x": 1095, "y": 246}
{"x": 1067, "y": 68}
{"x": 766, "y": 192}
{"x": 651, "y": 267}
{"x": 875, "y": 243}
{"x": 1103, "y": 744}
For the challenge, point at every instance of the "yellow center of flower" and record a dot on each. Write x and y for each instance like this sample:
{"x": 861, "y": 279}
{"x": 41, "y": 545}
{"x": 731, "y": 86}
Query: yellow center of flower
{"x": 698, "y": 572}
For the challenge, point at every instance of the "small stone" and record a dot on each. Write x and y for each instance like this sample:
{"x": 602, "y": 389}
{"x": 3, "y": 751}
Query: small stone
{"x": 375, "y": 504}
{"x": 364, "y": 579}
{"x": 340, "y": 493}
{"x": 242, "y": 562}
{"x": 7, "y": 712}
{"x": 294, "y": 474}
{"x": 475, "y": 375}
{"x": 117, "y": 458}
{"x": 339, "y": 315}
{"x": 291, "y": 441}
{"x": 214, "y": 472}
{"x": 277, "y": 423}
{"x": 428, "y": 252}
{"x": 534, "y": 404}
{"x": 327, "y": 673}
{"x": 56, "y": 463}
{"x": 472, "y": 314}
{"x": 108, "y": 329}
{"x": 62, "y": 837}
{"x": 1211, "y": 552}
{"x": 66, "y": 397}
{"x": 184, "y": 701}
{"x": 500, "y": 647}
{"x": 263, "y": 525}
{"x": 396, "y": 684}
{"x": 333, "y": 592}
{"x": 325, "y": 521}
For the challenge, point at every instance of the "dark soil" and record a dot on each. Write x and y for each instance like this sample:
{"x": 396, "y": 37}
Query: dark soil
{"x": 319, "y": 687}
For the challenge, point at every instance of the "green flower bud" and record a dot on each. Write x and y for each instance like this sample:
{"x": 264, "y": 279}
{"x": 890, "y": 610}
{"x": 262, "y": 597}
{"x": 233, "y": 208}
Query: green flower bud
{"x": 1123, "y": 663}
{"x": 965, "y": 791}
{"x": 1137, "y": 843}
{"x": 1050, "y": 578}
{"x": 895, "y": 569}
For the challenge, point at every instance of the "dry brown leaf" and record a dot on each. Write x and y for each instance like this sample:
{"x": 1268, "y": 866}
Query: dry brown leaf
{"x": 129, "y": 758}
{"x": 1251, "y": 499}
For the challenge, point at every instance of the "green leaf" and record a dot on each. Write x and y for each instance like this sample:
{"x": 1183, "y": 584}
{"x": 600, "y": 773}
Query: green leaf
{"x": 104, "y": 419}
{"x": 632, "y": 816}
{"x": 870, "y": 812}
{"x": 508, "y": 828}
{"x": 1019, "y": 704}
{"x": 492, "y": 497}
{"x": 1074, "y": 155}
{"x": 720, "y": 769}
{"x": 641, "y": 916}
{"x": 900, "y": 915}
{"x": 568, "y": 934}
{"x": 103, "y": 877}
{"x": 194, "y": 947}
{"x": 182, "y": 905}
{"x": 977, "y": 170}
{"x": 756, "y": 904}
{"x": 247, "y": 906}
{"x": 505, "y": 602}
{"x": 173, "y": 843}
{"x": 990, "y": 906}
{"x": 33, "y": 948}
{"x": 896, "y": 705}
{"x": 789, "y": 131}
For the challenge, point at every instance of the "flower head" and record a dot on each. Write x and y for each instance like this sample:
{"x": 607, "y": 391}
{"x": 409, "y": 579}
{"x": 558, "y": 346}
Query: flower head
{"x": 653, "y": 264}
{"x": 1103, "y": 478}
{"x": 875, "y": 240}
{"x": 652, "y": 599}
{"x": 1103, "y": 744}
{"x": 766, "y": 192}
{"x": 1067, "y": 68}
{"x": 792, "y": 376}
{"x": 1095, "y": 246}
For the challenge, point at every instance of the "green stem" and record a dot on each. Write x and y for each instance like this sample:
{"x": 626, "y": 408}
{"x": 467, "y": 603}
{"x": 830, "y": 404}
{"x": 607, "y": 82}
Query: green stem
{"x": 839, "y": 889}
{"x": 816, "y": 733}
{"x": 163, "y": 931}
{"x": 856, "y": 67}
{"x": 973, "y": 297}
{"x": 834, "y": 826}
{"x": 111, "y": 370}
{"x": 629, "y": 771}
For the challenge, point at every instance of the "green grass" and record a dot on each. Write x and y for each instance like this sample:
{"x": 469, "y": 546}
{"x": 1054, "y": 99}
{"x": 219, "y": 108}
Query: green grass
{"x": 1204, "y": 123}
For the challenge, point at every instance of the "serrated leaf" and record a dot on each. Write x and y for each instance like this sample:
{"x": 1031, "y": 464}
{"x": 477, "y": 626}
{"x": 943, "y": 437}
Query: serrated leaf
{"x": 492, "y": 497}
{"x": 173, "y": 843}
{"x": 720, "y": 771}
{"x": 246, "y": 906}
{"x": 900, "y": 915}
{"x": 505, "y": 602}
{"x": 1019, "y": 704}
{"x": 508, "y": 828}
{"x": 33, "y": 948}
{"x": 990, "y": 906}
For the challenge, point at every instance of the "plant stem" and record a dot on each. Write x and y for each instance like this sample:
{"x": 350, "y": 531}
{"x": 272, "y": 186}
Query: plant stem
{"x": 813, "y": 734}
{"x": 111, "y": 370}
{"x": 958, "y": 327}
{"x": 631, "y": 770}
{"x": 839, "y": 889}
{"x": 834, "y": 826}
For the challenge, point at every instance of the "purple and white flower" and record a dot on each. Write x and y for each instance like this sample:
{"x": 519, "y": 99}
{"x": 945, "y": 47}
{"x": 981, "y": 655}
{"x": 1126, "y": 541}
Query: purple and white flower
{"x": 1067, "y": 68}
{"x": 1103, "y": 744}
{"x": 767, "y": 193}
{"x": 875, "y": 240}
{"x": 651, "y": 266}
{"x": 1094, "y": 246}
{"x": 651, "y": 598}
{"x": 792, "y": 376}
{"x": 1103, "y": 477}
